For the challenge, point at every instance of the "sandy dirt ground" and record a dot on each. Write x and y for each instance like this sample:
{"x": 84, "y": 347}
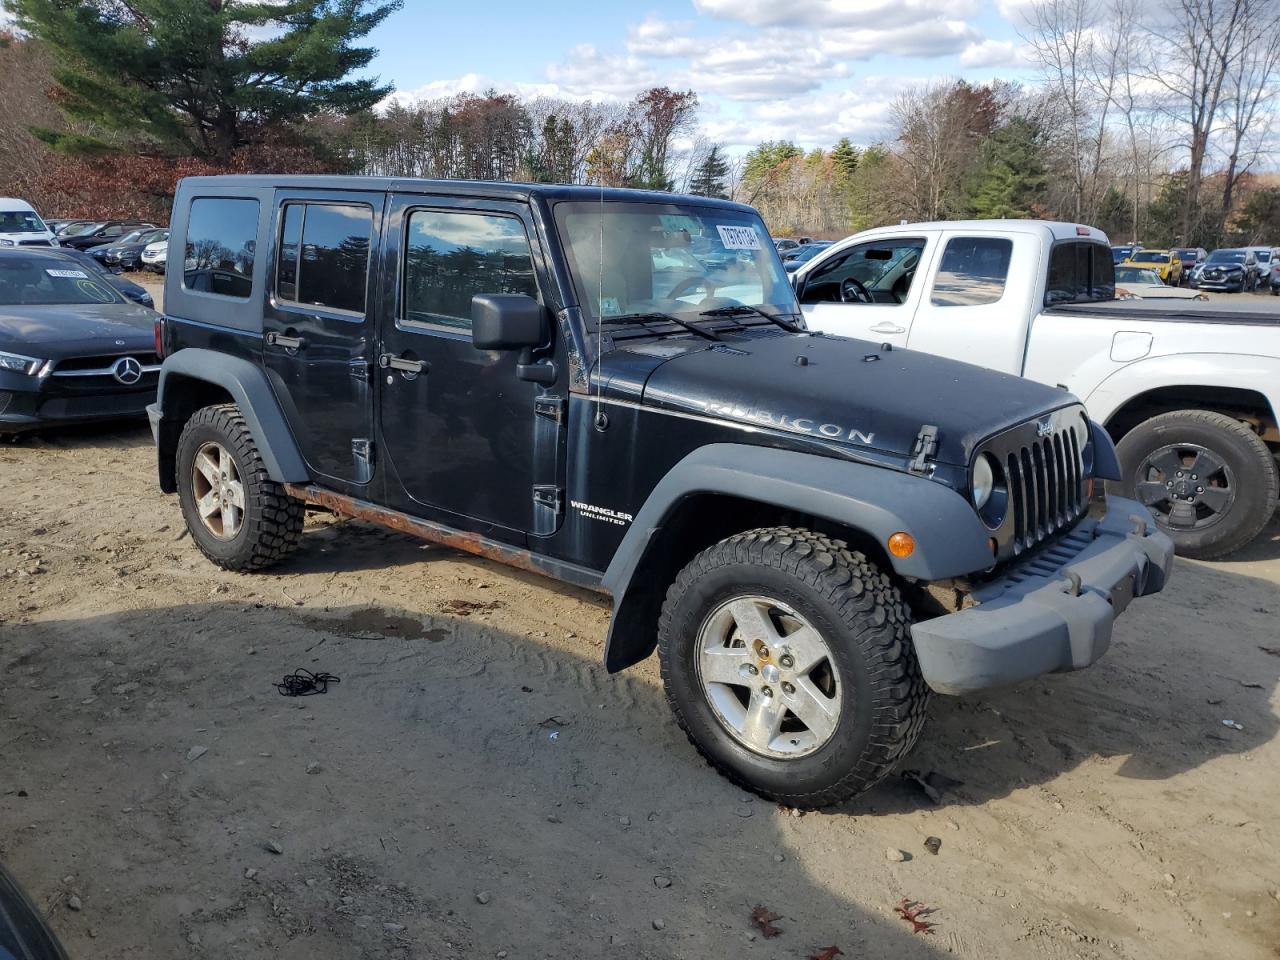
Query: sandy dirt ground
{"x": 477, "y": 785}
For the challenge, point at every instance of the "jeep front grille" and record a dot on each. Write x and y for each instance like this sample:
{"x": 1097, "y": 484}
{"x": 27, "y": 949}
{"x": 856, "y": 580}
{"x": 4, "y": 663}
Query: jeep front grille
{"x": 1044, "y": 479}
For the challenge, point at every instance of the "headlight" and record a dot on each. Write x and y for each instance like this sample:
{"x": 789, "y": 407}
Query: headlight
{"x": 984, "y": 481}
{"x": 7, "y": 243}
{"x": 17, "y": 363}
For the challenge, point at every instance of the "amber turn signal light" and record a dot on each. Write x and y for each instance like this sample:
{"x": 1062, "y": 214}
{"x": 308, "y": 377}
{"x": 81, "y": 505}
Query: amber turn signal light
{"x": 902, "y": 545}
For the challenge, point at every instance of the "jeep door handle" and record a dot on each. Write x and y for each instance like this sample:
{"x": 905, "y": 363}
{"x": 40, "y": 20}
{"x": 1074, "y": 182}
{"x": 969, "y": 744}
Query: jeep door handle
{"x": 400, "y": 363}
{"x": 888, "y": 327}
{"x": 288, "y": 343}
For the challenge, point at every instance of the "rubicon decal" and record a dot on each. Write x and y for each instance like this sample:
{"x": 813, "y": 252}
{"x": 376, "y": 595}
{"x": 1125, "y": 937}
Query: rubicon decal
{"x": 592, "y": 512}
{"x": 832, "y": 431}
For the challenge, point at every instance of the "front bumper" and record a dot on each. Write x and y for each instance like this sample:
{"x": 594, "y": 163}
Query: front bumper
{"x": 1225, "y": 284}
{"x": 1051, "y": 612}
{"x": 28, "y": 409}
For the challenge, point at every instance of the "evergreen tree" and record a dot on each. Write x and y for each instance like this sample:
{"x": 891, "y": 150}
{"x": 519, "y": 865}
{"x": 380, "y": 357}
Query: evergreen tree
{"x": 203, "y": 76}
{"x": 845, "y": 156}
{"x": 1010, "y": 179}
{"x": 766, "y": 157}
{"x": 708, "y": 178}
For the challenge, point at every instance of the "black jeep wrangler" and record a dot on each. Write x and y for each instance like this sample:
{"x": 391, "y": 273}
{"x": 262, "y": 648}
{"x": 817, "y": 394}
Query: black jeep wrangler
{"x": 615, "y": 388}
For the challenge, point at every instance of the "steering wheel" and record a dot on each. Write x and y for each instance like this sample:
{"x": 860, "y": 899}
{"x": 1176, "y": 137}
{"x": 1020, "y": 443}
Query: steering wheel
{"x": 692, "y": 283}
{"x": 852, "y": 291}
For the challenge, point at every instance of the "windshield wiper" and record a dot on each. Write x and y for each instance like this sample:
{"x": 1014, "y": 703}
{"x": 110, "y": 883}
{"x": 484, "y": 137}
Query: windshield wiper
{"x": 671, "y": 318}
{"x": 739, "y": 308}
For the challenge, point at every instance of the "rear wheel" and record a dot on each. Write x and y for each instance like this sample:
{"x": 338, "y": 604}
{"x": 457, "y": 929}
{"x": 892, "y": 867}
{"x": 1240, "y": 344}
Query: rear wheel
{"x": 787, "y": 660}
{"x": 1209, "y": 480}
{"x": 237, "y": 515}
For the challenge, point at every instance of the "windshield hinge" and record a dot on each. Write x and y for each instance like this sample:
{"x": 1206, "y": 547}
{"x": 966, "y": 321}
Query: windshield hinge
{"x": 926, "y": 446}
{"x": 548, "y": 495}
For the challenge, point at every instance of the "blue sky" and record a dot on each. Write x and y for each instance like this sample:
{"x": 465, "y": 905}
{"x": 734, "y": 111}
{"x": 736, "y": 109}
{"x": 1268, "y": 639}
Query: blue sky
{"x": 804, "y": 70}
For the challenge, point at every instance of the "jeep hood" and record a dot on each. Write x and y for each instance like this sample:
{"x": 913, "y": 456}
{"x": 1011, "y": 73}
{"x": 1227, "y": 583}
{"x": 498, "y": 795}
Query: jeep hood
{"x": 848, "y": 391}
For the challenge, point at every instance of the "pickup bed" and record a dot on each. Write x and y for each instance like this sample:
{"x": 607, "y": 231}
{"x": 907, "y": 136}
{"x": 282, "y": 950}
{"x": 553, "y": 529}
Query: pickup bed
{"x": 1189, "y": 393}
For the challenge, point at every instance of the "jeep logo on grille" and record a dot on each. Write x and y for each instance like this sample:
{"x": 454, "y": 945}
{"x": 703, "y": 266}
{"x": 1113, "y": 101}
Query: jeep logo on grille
{"x": 1044, "y": 428}
{"x": 127, "y": 370}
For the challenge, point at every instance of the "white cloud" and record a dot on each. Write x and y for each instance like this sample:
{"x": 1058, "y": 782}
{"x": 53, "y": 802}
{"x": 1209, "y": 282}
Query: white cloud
{"x": 654, "y": 37}
{"x": 926, "y": 38}
{"x": 467, "y": 83}
{"x": 831, "y": 13}
{"x": 992, "y": 53}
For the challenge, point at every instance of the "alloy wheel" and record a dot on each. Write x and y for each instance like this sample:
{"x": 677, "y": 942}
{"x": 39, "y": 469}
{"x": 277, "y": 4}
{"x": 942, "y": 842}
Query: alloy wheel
{"x": 218, "y": 489}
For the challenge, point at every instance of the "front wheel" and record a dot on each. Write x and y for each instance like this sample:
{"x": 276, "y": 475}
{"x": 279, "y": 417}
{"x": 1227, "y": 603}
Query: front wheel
{"x": 1209, "y": 480}
{"x": 787, "y": 660}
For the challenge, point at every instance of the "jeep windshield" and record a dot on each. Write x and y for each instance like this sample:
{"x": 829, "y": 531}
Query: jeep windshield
{"x": 642, "y": 260}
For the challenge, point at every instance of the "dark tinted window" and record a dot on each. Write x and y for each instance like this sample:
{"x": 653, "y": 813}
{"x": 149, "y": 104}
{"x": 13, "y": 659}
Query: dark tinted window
{"x": 451, "y": 257}
{"x": 1080, "y": 272}
{"x": 973, "y": 271}
{"x": 221, "y": 239}
{"x": 330, "y": 266}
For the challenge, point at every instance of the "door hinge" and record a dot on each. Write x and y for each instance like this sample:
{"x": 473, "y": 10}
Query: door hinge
{"x": 551, "y": 407}
{"x": 547, "y": 495}
{"x": 362, "y": 450}
{"x": 926, "y": 446}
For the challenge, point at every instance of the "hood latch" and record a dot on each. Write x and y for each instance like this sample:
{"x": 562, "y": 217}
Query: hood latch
{"x": 926, "y": 446}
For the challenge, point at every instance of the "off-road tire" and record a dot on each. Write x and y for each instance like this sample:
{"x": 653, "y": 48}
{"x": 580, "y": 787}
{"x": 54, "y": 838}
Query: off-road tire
{"x": 272, "y": 523}
{"x": 865, "y": 623}
{"x": 1252, "y": 462}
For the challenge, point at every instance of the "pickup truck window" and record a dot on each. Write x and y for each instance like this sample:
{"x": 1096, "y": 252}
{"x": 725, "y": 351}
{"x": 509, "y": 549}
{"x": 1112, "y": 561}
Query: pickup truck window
{"x": 1080, "y": 272}
{"x": 451, "y": 257}
{"x": 221, "y": 237}
{"x": 880, "y": 271}
{"x": 973, "y": 271}
{"x": 324, "y": 255}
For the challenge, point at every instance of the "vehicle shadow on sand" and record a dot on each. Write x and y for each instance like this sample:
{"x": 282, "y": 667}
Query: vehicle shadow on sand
{"x": 460, "y": 792}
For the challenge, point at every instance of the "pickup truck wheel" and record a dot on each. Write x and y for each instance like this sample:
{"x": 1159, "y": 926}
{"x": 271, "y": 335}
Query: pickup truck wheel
{"x": 1209, "y": 480}
{"x": 787, "y": 660}
{"x": 237, "y": 515}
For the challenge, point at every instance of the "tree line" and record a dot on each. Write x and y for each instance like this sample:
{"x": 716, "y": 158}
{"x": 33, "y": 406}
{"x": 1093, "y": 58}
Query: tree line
{"x": 1156, "y": 126}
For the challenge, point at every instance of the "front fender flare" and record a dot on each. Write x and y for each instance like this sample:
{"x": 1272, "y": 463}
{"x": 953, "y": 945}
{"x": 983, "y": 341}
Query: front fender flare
{"x": 950, "y": 539}
{"x": 251, "y": 391}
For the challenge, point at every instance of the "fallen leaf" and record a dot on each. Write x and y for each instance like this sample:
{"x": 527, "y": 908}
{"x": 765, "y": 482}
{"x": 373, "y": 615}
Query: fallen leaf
{"x": 828, "y": 953}
{"x": 1274, "y": 651}
{"x": 762, "y": 918}
{"x": 912, "y": 911}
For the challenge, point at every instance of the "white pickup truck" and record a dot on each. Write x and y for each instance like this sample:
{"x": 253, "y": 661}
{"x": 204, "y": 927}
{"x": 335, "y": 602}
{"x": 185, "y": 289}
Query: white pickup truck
{"x": 1189, "y": 393}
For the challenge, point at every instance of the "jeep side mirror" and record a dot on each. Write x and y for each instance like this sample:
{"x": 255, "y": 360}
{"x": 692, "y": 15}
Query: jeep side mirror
{"x": 513, "y": 321}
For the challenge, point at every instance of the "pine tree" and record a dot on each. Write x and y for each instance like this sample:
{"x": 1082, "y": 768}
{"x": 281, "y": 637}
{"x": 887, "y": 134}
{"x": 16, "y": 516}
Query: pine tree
{"x": 845, "y": 156}
{"x": 202, "y": 76}
{"x": 1010, "y": 179}
{"x": 708, "y": 179}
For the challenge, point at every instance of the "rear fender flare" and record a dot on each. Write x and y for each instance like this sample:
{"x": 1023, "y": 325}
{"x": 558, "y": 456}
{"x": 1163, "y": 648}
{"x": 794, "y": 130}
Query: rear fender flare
{"x": 249, "y": 389}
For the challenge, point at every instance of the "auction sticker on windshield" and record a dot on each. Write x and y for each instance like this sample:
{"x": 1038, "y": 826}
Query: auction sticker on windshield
{"x": 68, "y": 274}
{"x": 739, "y": 238}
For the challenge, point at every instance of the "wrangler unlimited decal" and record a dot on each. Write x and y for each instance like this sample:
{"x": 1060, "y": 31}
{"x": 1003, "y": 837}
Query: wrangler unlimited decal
{"x": 601, "y": 513}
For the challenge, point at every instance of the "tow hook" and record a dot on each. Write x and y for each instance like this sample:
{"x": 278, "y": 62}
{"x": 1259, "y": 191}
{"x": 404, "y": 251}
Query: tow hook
{"x": 1073, "y": 584}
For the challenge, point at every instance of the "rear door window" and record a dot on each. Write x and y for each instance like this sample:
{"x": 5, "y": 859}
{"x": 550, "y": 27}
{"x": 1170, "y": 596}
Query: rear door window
{"x": 324, "y": 255}
{"x": 973, "y": 271}
{"x": 222, "y": 236}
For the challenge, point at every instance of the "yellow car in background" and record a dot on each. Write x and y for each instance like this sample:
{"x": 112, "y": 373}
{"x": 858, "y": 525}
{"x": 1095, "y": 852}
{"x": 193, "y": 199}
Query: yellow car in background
{"x": 1161, "y": 261}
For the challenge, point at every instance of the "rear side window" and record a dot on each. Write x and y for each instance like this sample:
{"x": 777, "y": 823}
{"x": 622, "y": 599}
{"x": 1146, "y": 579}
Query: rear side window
{"x": 324, "y": 255}
{"x": 451, "y": 257}
{"x": 1080, "y": 273}
{"x": 221, "y": 240}
{"x": 973, "y": 271}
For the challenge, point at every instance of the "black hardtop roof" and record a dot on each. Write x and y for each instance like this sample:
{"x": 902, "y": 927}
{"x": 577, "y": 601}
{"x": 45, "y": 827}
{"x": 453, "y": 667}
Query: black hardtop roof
{"x": 491, "y": 189}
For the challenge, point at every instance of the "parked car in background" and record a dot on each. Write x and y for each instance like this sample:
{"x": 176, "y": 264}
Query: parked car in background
{"x": 21, "y": 226}
{"x": 130, "y": 290}
{"x": 1266, "y": 256}
{"x": 1162, "y": 262}
{"x": 24, "y": 935}
{"x": 58, "y": 225}
{"x": 1144, "y": 283}
{"x": 1191, "y": 397}
{"x": 1228, "y": 270}
{"x": 784, "y": 244}
{"x": 72, "y": 349}
{"x": 792, "y": 259}
{"x": 154, "y": 255}
{"x": 98, "y": 232}
{"x": 1190, "y": 257}
{"x": 126, "y": 252}
{"x": 1275, "y": 275}
{"x": 1124, "y": 251}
